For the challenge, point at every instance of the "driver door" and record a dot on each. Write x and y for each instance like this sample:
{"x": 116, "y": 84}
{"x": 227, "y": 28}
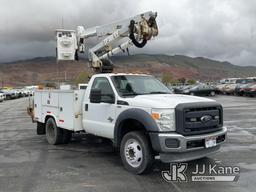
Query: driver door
{"x": 99, "y": 118}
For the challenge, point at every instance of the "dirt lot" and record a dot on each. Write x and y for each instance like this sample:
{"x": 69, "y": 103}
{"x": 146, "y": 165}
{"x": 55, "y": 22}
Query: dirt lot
{"x": 28, "y": 163}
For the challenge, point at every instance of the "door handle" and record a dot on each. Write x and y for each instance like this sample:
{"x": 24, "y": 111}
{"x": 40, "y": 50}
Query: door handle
{"x": 86, "y": 107}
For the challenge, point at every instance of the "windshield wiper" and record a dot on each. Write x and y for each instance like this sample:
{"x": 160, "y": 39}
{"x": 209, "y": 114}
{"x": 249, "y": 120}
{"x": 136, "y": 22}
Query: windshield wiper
{"x": 131, "y": 94}
{"x": 153, "y": 92}
{"x": 158, "y": 92}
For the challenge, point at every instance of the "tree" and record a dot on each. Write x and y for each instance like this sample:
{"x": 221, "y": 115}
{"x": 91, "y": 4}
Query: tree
{"x": 83, "y": 77}
{"x": 182, "y": 80}
{"x": 34, "y": 78}
{"x": 50, "y": 85}
{"x": 191, "y": 81}
{"x": 167, "y": 78}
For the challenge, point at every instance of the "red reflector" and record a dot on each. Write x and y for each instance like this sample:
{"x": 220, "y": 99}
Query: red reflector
{"x": 48, "y": 111}
{"x": 61, "y": 120}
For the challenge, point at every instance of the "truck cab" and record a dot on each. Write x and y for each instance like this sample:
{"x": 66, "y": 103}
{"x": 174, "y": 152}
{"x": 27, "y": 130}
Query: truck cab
{"x": 138, "y": 114}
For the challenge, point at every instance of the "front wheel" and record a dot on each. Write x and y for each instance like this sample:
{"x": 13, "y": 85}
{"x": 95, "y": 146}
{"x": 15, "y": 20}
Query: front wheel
{"x": 8, "y": 97}
{"x": 136, "y": 152}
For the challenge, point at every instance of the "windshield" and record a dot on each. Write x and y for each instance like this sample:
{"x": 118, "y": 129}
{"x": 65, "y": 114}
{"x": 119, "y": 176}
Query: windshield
{"x": 244, "y": 81}
{"x": 131, "y": 85}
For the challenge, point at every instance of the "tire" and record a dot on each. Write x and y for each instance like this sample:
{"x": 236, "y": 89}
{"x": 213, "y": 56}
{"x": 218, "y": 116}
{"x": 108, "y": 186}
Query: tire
{"x": 40, "y": 130}
{"x": 54, "y": 134}
{"x": 212, "y": 93}
{"x": 8, "y": 97}
{"x": 67, "y": 135}
{"x": 136, "y": 152}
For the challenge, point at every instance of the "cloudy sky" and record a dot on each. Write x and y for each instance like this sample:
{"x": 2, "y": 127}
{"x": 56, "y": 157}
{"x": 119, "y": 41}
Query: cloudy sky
{"x": 217, "y": 29}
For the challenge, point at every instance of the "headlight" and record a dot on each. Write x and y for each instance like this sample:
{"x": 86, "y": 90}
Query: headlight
{"x": 165, "y": 119}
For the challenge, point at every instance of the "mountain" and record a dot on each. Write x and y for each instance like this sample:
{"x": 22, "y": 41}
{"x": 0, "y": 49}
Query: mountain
{"x": 184, "y": 66}
{"x": 45, "y": 69}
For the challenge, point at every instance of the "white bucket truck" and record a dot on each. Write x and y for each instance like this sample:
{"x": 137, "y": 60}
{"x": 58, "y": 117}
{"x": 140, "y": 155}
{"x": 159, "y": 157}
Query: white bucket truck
{"x": 138, "y": 113}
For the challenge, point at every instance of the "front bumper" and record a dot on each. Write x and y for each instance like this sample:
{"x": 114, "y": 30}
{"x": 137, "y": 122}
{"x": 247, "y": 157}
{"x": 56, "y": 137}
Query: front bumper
{"x": 173, "y": 147}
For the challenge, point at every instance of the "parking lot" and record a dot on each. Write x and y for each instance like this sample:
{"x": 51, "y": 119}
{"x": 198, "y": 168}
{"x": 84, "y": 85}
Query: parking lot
{"x": 28, "y": 163}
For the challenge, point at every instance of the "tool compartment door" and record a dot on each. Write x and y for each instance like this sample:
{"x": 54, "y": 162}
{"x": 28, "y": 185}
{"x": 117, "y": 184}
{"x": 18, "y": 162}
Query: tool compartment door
{"x": 50, "y": 98}
{"x": 38, "y": 106}
{"x": 66, "y": 110}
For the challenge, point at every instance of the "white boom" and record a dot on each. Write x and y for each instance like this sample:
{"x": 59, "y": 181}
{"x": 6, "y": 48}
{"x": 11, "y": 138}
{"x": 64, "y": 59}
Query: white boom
{"x": 136, "y": 30}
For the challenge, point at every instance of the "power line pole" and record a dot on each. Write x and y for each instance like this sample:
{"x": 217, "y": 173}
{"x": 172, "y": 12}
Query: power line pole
{"x": 65, "y": 75}
{"x": 2, "y": 79}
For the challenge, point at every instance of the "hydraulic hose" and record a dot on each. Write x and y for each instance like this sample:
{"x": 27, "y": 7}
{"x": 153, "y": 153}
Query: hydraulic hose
{"x": 132, "y": 37}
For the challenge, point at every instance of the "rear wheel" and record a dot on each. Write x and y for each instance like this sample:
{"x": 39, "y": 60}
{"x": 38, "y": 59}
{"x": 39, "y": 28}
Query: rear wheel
{"x": 136, "y": 152}
{"x": 54, "y": 134}
{"x": 67, "y": 135}
{"x": 40, "y": 130}
{"x": 212, "y": 93}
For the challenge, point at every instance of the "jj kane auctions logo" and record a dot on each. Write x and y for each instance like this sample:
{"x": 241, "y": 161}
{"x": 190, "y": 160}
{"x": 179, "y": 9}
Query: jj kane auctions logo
{"x": 204, "y": 172}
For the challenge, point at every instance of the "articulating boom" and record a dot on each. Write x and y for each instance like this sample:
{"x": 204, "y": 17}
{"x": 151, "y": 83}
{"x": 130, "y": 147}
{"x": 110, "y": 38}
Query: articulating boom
{"x": 136, "y": 31}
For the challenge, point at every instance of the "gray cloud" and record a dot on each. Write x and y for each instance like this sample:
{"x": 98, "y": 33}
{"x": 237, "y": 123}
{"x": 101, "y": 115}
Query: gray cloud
{"x": 223, "y": 30}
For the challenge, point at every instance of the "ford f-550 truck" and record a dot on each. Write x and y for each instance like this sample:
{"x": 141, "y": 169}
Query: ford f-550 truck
{"x": 138, "y": 113}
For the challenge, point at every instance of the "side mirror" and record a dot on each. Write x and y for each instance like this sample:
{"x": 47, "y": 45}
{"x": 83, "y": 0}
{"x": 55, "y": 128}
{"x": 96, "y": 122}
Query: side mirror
{"x": 95, "y": 96}
{"x": 108, "y": 98}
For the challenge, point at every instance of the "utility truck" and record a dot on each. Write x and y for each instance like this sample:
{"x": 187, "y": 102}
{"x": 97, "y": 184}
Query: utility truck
{"x": 139, "y": 114}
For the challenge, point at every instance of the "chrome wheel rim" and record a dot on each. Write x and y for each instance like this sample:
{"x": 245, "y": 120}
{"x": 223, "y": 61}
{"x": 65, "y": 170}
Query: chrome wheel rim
{"x": 133, "y": 153}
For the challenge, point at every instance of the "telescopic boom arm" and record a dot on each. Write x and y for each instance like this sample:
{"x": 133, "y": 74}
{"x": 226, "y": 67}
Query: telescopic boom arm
{"x": 136, "y": 31}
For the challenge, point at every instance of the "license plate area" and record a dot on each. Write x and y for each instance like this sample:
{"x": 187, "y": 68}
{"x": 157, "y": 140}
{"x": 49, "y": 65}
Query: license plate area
{"x": 210, "y": 142}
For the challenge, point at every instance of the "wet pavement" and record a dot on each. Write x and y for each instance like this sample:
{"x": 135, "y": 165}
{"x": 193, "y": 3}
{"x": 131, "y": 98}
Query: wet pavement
{"x": 28, "y": 163}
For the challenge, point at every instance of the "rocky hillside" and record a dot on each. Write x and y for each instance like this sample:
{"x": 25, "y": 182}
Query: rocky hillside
{"x": 45, "y": 69}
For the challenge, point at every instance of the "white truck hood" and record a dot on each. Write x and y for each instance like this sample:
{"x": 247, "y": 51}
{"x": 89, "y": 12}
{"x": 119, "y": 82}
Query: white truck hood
{"x": 163, "y": 100}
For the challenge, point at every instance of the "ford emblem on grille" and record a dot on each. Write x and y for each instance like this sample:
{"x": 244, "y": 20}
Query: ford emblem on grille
{"x": 206, "y": 118}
